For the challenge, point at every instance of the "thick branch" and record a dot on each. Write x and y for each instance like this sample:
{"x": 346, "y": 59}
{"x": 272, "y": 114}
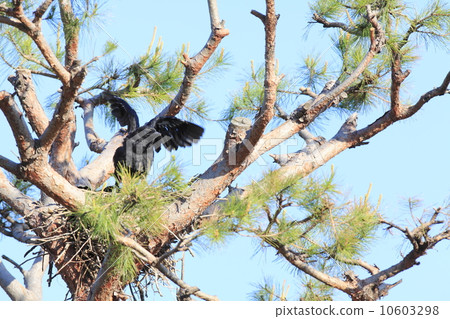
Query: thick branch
{"x": 214, "y": 17}
{"x": 271, "y": 81}
{"x": 397, "y": 78}
{"x": 16, "y": 121}
{"x": 9, "y": 165}
{"x": 95, "y": 143}
{"x": 24, "y": 88}
{"x": 20, "y": 232}
{"x": 32, "y": 279}
{"x": 13, "y": 288}
{"x": 63, "y": 113}
{"x": 99, "y": 170}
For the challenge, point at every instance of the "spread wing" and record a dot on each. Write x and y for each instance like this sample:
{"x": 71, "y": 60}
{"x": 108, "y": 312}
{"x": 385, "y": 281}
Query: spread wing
{"x": 124, "y": 113}
{"x": 177, "y": 133}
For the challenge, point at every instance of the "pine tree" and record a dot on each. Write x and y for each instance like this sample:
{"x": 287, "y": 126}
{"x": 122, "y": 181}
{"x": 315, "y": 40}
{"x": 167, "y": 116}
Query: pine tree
{"x": 107, "y": 243}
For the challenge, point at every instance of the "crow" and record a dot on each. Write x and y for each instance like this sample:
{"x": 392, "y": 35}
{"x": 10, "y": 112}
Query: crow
{"x": 137, "y": 151}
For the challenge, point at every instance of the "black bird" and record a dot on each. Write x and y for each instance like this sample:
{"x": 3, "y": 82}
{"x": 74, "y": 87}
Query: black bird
{"x": 136, "y": 153}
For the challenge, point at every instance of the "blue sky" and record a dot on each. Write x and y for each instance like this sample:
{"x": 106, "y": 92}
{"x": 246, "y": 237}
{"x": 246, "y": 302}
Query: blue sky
{"x": 409, "y": 159}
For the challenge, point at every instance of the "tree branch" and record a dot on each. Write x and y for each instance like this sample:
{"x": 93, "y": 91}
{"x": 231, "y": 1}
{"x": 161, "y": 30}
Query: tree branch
{"x": 19, "y": 233}
{"x": 195, "y": 64}
{"x": 327, "y": 24}
{"x": 24, "y": 89}
{"x": 220, "y": 175}
{"x": 40, "y": 11}
{"x": 71, "y": 32}
{"x": 34, "y": 32}
{"x": 95, "y": 143}
{"x": 153, "y": 261}
{"x": 9, "y": 165}
{"x": 63, "y": 113}
{"x": 297, "y": 261}
{"x": 99, "y": 170}
{"x": 397, "y": 78}
{"x": 271, "y": 81}
{"x": 421, "y": 242}
{"x": 16, "y": 120}
{"x": 10, "y": 21}
{"x": 32, "y": 279}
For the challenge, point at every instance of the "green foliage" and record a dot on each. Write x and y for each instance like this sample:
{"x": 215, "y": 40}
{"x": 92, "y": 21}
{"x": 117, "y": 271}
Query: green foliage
{"x": 327, "y": 8}
{"x": 84, "y": 15}
{"x": 247, "y": 101}
{"x": 306, "y": 215}
{"x": 215, "y": 66}
{"x": 404, "y": 27}
{"x": 314, "y": 72}
{"x": 109, "y": 47}
{"x": 154, "y": 78}
{"x": 315, "y": 290}
{"x": 354, "y": 229}
{"x": 431, "y": 25}
{"x": 137, "y": 207}
{"x": 121, "y": 260}
{"x": 268, "y": 291}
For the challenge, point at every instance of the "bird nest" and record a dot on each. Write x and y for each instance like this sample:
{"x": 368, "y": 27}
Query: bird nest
{"x": 69, "y": 242}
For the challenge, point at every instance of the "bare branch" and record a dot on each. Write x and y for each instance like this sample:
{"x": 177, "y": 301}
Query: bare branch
{"x": 327, "y": 24}
{"x": 16, "y": 265}
{"x": 308, "y": 91}
{"x": 19, "y": 202}
{"x": 214, "y": 17}
{"x": 95, "y": 143}
{"x": 16, "y": 121}
{"x": 9, "y": 165}
{"x": 259, "y": 15}
{"x": 19, "y": 231}
{"x": 410, "y": 259}
{"x": 195, "y": 64}
{"x": 10, "y": 285}
{"x": 11, "y": 21}
{"x": 32, "y": 279}
{"x": 271, "y": 80}
{"x": 373, "y": 270}
{"x": 45, "y": 178}
{"x": 63, "y": 110}
{"x": 24, "y": 88}
{"x": 153, "y": 261}
{"x": 40, "y": 11}
{"x": 99, "y": 170}
{"x": 397, "y": 78}
{"x": 296, "y": 260}
{"x": 425, "y": 98}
